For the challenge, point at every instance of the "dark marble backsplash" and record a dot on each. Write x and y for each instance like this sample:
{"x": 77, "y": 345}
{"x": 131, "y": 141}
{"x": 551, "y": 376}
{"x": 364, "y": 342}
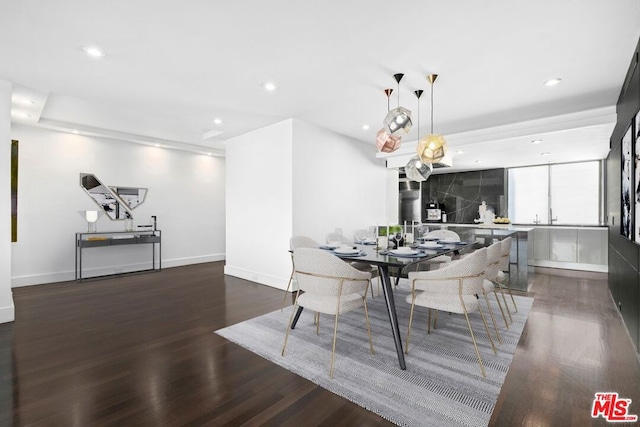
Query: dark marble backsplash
{"x": 462, "y": 193}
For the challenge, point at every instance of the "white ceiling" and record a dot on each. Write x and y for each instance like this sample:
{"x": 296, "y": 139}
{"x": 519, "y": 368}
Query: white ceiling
{"x": 173, "y": 66}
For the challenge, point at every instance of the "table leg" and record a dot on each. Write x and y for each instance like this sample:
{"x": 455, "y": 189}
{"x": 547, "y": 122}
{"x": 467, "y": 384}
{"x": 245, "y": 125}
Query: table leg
{"x": 391, "y": 308}
{"x": 296, "y": 317}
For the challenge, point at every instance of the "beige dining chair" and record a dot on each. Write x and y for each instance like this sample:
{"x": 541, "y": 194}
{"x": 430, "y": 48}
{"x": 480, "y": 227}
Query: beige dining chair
{"x": 331, "y": 286}
{"x": 488, "y": 286}
{"x": 362, "y": 266}
{"x": 504, "y": 269}
{"x": 453, "y": 288}
{"x": 294, "y": 243}
{"x": 440, "y": 234}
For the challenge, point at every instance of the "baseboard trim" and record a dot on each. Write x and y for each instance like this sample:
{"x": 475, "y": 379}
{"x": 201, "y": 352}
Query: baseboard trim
{"x": 574, "y": 266}
{"x": 254, "y": 276}
{"x": 563, "y": 272}
{"x": 66, "y": 276}
{"x": 7, "y": 314}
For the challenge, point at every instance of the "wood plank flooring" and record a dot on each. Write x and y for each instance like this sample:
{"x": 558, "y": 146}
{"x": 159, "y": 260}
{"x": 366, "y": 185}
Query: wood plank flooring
{"x": 140, "y": 351}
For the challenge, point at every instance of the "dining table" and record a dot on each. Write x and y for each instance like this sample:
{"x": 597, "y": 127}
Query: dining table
{"x": 384, "y": 259}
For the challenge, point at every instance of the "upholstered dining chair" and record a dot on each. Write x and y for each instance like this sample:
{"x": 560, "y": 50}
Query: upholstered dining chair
{"x": 453, "y": 288}
{"x": 330, "y": 286}
{"x": 294, "y": 243}
{"x": 504, "y": 268}
{"x": 488, "y": 287}
{"x": 362, "y": 266}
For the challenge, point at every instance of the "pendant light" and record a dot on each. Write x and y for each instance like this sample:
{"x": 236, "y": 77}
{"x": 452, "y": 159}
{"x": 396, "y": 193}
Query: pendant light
{"x": 385, "y": 142}
{"x": 432, "y": 148}
{"x": 416, "y": 169}
{"x": 398, "y": 118}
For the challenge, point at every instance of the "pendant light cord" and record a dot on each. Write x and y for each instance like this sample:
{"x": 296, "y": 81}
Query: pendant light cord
{"x": 431, "y": 108}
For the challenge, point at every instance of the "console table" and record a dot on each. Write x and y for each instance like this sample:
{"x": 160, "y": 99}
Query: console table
{"x": 118, "y": 238}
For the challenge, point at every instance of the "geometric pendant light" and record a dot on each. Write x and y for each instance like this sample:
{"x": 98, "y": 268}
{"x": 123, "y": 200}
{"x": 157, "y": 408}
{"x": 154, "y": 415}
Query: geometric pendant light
{"x": 399, "y": 118}
{"x": 416, "y": 169}
{"x": 384, "y": 141}
{"x": 433, "y": 147}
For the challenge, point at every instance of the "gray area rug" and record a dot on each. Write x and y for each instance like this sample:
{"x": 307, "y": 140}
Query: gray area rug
{"x": 442, "y": 385}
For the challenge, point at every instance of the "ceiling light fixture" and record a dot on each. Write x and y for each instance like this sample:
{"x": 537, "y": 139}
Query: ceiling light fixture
{"x": 536, "y": 141}
{"x": 478, "y": 161}
{"x": 433, "y": 147}
{"x": 398, "y": 118}
{"x": 93, "y": 51}
{"x": 22, "y": 115}
{"x": 416, "y": 170}
{"x": 269, "y": 86}
{"x": 545, "y": 154}
{"x": 385, "y": 142}
{"x": 76, "y": 131}
{"x": 459, "y": 152}
{"x": 217, "y": 121}
{"x": 365, "y": 127}
{"x": 552, "y": 82}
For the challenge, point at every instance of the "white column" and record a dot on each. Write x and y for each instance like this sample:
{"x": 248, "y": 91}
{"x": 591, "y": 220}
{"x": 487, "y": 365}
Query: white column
{"x": 7, "y": 313}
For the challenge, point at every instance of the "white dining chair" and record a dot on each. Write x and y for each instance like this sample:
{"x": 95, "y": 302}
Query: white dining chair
{"x": 294, "y": 243}
{"x": 362, "y": 266}
{"x": 488, "y": 286}
{"x": 329, "y": 286}
{"x": 453, "y": 288}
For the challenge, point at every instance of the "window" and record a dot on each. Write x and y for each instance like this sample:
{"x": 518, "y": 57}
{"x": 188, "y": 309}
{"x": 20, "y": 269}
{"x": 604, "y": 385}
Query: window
{"x": 555, "y": 194}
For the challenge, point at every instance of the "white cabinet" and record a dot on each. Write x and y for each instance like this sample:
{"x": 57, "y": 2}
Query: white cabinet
{"x": 574, "y": 248}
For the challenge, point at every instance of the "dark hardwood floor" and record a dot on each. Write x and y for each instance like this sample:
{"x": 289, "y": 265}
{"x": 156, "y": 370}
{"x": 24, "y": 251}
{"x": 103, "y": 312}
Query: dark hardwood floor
{"x": 140, "y": 351}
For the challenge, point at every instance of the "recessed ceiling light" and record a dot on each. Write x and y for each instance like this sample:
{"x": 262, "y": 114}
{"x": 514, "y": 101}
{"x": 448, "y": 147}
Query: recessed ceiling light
{"x": 93, "y": 51}
{"x": 365, "y": 127}
{"x": 478, "y": 161}
{"x": 217, "y": 121}
{"x": 459, "y": 152}
{"x": 545, "y": 154}
{"x": 269, "y": 86}
{"x": 552, "y": 82}
{"x": 156, "y": 145}
{"x": 536, "y": 141}
{"x": 76, "y": 131}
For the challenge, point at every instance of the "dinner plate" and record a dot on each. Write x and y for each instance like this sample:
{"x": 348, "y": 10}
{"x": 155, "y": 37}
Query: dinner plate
{"x": 430, "y": 245}
{"x": 397, "y": 252}
{"x": 332, "y": 245}
{"x": 346, "y": 251}
{"x": 449, "y": 241}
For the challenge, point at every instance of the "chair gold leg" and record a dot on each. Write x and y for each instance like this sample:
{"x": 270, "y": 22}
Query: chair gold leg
{"x": 486, "y": 328}
{"x": 435, "y": 320}
{"x": 493, "y": 319}
{"x": 473, "y": 338}
{"x": 286, "y": 335}
{"x": 501, "y": 309}
{"x": 366, "y": 316}
{"x": 284, "y": 298}
{"x": 506, "y": 305}
{"x": 515, "y": 306}
{"x": 406, "y": 344}
{"x": 333, "y": 347}
{"x": 371, "y": 287}
{"x": 317, "y": 322}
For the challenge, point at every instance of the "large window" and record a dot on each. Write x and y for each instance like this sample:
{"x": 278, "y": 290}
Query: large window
{"x": 564, "y": 194}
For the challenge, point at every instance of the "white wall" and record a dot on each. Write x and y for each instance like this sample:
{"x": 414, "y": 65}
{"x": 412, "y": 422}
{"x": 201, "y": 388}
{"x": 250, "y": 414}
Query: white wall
{"x": 186, "y": 193}
{"x": 7, "y": 313}
{"x": 337, "y": 183}
{"x": 259, "y": 205}
{"x": 296, "y": 178}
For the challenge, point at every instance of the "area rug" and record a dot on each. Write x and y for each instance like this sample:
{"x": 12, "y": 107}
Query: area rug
{"x": 442, "y": 385}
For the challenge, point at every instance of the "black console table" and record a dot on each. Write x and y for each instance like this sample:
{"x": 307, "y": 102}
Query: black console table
{"x": 117, "y": 238}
